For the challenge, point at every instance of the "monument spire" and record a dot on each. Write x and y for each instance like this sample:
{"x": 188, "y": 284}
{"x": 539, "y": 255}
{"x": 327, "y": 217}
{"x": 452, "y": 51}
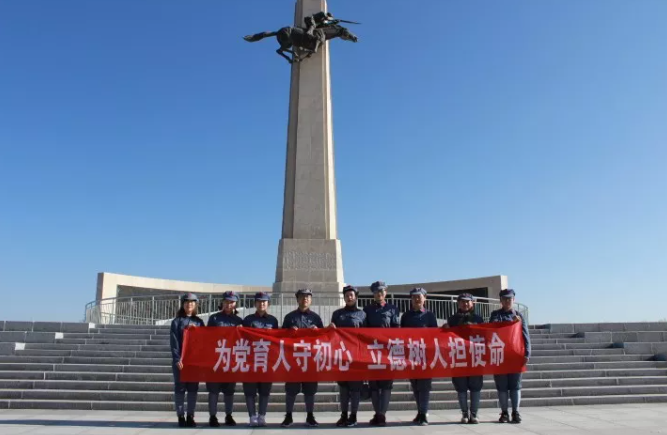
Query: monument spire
{"x": 309, "y": 252}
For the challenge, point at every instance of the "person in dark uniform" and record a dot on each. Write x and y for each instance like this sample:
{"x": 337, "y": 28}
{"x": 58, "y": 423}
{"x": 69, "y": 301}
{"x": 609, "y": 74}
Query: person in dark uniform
{"x": 316, "y": 20}
{"x": 419, "y": 317}
{"x": 226, "y": 317}
{"x": 301, "y": 318}
{"x": 186, "y": 317}
{"x": 510, "y": 385}
{"x": 466, "y": 316}
{"x": 263, "y": 320}
{"x": 380, "y": 314}
{"x": 349, "y": 316}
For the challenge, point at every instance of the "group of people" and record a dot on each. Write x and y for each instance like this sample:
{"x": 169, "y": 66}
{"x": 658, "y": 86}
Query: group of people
{"x": 379, "y": 314}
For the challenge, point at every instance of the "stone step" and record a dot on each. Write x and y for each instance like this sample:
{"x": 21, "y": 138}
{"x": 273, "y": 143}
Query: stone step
{"x": 100, "y": 347}
{"x": 132, "y": 327}
{"x": 167, "y": 354}
{"x": 127, "y": 331}
{"x": 240, "y": 410}
{"x": 402, "y": 386}
{"x": 98, "y": 336}
{"x": 558, "y": 340}
{"x": 166, "y": 376}
{"x": 279, "y": 397}
{"x": 595, "y": 365}
{"x": 166, "y": 359}
{"x": 117, "y": 368}
{"x": 589, "y": 358}
{"x": 538, "y": 363}
{"x": 99, "y": 341}
{"x": 555, "y": 346}
{"x": 578, "y": 352}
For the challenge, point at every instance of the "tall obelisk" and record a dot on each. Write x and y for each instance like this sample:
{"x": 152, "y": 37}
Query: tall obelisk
{"x": 309, "y": 252}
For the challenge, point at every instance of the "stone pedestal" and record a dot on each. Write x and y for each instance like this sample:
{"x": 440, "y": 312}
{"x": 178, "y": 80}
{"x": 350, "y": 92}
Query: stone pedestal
{"x": 309, "y": 253}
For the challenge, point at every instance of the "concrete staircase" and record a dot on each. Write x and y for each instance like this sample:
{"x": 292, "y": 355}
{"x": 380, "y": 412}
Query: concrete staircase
{"x": 112, "y": 367}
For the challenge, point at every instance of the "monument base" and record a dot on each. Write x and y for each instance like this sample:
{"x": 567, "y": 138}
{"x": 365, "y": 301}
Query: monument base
{"x": 316, "y": 264}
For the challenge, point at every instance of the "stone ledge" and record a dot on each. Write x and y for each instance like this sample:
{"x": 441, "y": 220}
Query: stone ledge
{"x": 18, "y": 326}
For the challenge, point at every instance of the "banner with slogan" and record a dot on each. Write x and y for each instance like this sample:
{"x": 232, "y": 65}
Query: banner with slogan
{"x": 229, "y": 354}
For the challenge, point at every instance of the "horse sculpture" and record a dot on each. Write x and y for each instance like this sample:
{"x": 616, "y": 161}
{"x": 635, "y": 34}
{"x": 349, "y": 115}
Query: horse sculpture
{"x": 298, "y": 38}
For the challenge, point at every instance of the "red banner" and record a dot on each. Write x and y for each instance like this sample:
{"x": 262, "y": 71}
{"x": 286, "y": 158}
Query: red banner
{"x": 228, "y": 354}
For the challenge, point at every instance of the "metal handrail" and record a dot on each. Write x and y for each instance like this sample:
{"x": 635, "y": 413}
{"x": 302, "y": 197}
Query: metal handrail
{"x": 159, "y": 309}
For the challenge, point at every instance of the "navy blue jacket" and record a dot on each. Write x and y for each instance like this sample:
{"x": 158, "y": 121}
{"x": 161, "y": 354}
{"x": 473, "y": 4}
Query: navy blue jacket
{"x": 460, "y": 319}
{"x": 419, "y": 319}
{"x": 222, "y": 319}
{"x": 349, "y": 317}
{"x": 381, "y": 316}
{"x": 304, "y": 319}
{"x": 178, "y": 325}
{"x": 508, "y": 316}
{"x": 267, "y": 321}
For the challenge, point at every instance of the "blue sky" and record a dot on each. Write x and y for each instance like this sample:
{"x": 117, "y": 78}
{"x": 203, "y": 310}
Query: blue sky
{"x": 472, "y": 138}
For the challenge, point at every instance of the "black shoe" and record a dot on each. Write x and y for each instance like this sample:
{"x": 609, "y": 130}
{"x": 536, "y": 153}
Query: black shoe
{"x": 190, "y": 421}
{"x": 516, "y": 417}
{"x": 352, "y": 420}
{"x": 288, "y": 421}
{"x": 418, "y": 418}
{"x": 375, "y": 421}
{"x": 310, "y": 420}
{"x": 473, "y": 419}
{"x": 382, "y": 420}
{"x": 181, "y": 421}
{"x": 465, "y": 418}
{"x": 213, "y": 421}
{"x": 343, "y": 420}
{"x": 229, "y": 420}
{"x": 423, "y": 421}
{"x": 504, "y": 417}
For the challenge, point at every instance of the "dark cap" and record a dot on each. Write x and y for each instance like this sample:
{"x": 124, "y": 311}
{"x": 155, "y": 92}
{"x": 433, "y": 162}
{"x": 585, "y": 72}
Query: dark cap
{"x": 418, "y": 291}
{"x": 262, "y": 296}
{"x": 230, "y": 296}
{"x": 465, "y": 297}
{"x": 507, "y": 293}
{"x": 377, "y": 286}
{"x": 304, "y": 292}
{"x": 189, "y": 297}
{"x": 350, "y": 288}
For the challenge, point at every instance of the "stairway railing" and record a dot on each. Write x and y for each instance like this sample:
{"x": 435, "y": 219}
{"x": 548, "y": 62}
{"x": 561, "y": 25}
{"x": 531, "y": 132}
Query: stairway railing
{"x": 160, "y": 309}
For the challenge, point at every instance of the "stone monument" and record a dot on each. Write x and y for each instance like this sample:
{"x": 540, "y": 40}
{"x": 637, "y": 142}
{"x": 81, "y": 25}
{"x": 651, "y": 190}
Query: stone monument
{"x": 309, "y": 252}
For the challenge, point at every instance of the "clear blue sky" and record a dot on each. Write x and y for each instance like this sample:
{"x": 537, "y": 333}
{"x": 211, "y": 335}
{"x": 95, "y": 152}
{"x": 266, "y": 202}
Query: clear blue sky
{"x": 526, "y": 138}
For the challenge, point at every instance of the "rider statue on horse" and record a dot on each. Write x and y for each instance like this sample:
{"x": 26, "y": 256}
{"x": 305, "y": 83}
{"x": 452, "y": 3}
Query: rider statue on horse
{"x": 320, "y": 27}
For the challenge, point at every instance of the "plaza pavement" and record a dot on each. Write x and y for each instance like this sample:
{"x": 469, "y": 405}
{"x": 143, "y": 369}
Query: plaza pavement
{"x": 567, "y": 420}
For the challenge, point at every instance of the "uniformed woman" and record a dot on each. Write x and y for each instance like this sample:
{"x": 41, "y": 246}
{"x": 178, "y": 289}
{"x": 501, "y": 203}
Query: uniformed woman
{"x": 263, "y": 320}
{"x": 380, "y": 314}
{"x": 226, "y": 317}
{"x": 186, "y": 317}
{"x": 349, "y": 316}
{"x": 419, "y": 317}
{"x": 510, "y": 385}
{"x": 302, "y": 317}
{"x": 466, "y": 316}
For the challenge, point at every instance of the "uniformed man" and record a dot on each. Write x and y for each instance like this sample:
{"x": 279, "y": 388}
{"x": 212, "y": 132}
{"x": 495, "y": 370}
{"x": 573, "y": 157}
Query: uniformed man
{"x": 466, "y": 316}
{"x": 510, "y": 383}
{"x": 380, "y": 314}
{"x": 263, "y": 320}
{"x": 227, "y": 316}
{"x": 316, "y": 20}
{"x": 349, "y": 316}
{"x": 186, "y": 317}
{"x": 419, "y": 317}
{"x": 301, "y": 318}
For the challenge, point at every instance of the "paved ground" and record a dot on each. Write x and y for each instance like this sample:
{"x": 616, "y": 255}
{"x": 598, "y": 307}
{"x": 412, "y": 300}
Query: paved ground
{"x": 570, "y": 420}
